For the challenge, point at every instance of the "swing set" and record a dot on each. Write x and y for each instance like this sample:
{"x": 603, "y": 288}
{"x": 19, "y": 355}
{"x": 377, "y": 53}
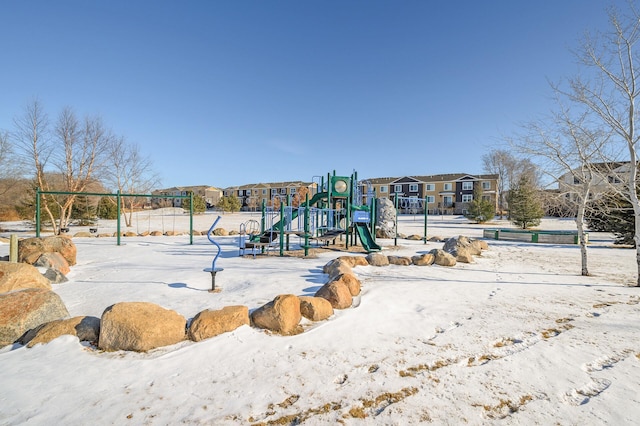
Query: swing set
{"x": 118, "y": 195}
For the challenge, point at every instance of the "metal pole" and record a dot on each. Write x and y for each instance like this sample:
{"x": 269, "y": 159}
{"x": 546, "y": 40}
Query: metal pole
{"x": 281, "y": 230}
{"x": 38, "y": 212}
{"x": 306, "y": 226}
{"x": 191, "y": 223}
{"x": 118, "y": 199}
{"x": 395, "y": 239}
{"x": 425, "y": 218}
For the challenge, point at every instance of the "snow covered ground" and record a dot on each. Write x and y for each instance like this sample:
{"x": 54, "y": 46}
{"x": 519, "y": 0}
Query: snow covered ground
{"x": 518, "y": 337}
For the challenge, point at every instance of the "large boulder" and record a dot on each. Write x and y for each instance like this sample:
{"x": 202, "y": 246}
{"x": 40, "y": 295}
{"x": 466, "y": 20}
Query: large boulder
{"x": 315, "y": 308}
{"x": 453, "y": 244}
{"x": 30, "y": 249}
{"x": 464, "y": 255}
{"x": 399, "y": 260}
{"x": 377, "y": 259}
{"x": 86, "y": 329}
{"x": 351, "y": 281}
{"x": 337, "y": 293}
{"x": 54, "y": 276}
{"x": 337, "y": 267}
{"x": 282, "y": 315}
{"x": 386, "y": 216}
{"x": 354, "y": 261}
{"x": 18, "y": 276}
{"x": 210, "y": 323}
{"x": 423, "y": 259}
{"x": 443, "y": 258}
{"x": 20, "y": 311}
{"x": 139, "y": 326}
{"x": 53, "y": 261}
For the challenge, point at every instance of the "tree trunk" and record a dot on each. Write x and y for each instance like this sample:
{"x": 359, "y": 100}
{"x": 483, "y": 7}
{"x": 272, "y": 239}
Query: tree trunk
{"x": 581, "y": 235}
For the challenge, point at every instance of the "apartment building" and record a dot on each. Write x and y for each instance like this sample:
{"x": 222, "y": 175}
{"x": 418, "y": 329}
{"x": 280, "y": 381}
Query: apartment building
{"x": 252, "y": 196}
{"x": 444, "y": 193}
{"x": 161, "y": 197}
{"x": 606, "y": 176}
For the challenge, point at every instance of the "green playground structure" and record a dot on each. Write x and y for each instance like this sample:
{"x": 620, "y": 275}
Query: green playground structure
{"x": 335, "y": 211}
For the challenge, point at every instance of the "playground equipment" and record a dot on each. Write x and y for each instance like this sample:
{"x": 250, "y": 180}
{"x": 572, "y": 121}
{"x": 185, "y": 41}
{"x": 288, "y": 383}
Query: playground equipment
{"x": 213, "y": 270}
{"x": 335, "y": 210}
{"x": 247, "y": 230}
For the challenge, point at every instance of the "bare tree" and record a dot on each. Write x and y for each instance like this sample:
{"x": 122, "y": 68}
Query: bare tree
{"x": 566, "y": 149}
{"x": 34, "y": 146}
{"x": 8, "y": 169}
{"x": 611, "y": 92}
{"x": 509, "y": 169}
{"x": 79, "y": 158}
{"x": 129, "y": 172}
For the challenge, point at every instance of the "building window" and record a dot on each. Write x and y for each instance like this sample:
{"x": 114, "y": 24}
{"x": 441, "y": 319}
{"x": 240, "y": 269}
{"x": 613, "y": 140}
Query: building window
{"x": 447, "y": 187}
{"x": 467, "y": 186}
{"x": 431, "y": 187}
{"x": 397, "y": 188}
{"x": 467, "y": 198}
{"x": 292, "y": 191}
{"x": 431, "y": 199}
{"x": 383, "y": 189}
{"x": 413, "y": 187}
{"x": 274, "y": 191}
{"x": 264, "y": 192}
{"x": 283, "y": 190}
{"x": 486, "y": 185}
{"x": 613, "y": 179}
{"x": 486, "y": 198}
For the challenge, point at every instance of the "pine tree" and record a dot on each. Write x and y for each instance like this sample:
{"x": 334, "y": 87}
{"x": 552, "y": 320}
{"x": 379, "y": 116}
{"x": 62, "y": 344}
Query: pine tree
{"x": 612, "y": 213}
{"x": 199, "y": 204}
{"x": 480, "y": 210}
{"x": 230, "y": 204}
{"x": 525, "y": 206}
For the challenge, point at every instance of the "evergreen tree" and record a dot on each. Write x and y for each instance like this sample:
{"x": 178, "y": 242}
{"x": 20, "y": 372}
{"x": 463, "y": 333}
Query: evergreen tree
{"x": 612, "y": 213}
{"x": 107, "y": 208}
{"x": 199, "y": 204}
{"x": 229, "y": 204}
{"x": 480, "y": 210}
{"x": 525, "y": 206}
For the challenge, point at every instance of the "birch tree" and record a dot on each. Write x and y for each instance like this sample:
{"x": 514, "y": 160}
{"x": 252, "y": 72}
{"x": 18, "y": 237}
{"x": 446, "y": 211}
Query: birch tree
{"x": 611, "y": 90}
{"x": 566, "y": 148}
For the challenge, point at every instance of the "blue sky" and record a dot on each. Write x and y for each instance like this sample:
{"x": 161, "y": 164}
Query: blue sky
{"x": 234, "y": 92}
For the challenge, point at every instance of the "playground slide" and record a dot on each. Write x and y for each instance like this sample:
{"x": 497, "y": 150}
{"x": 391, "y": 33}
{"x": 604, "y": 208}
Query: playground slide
{"x": 366, "y": 239}
{"x": 271, "y": 234}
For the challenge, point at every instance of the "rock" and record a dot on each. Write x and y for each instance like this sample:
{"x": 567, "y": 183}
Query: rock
{"x": 386, "y": 216}
{"x": 83, "y": 234}
{"x": 144, "y": 234}
{"x": 18, "y": 276}
{"x": 53, "y": 261}
{"x": 30, "y": 249}
{"x": 282, "y": 315}
{"x": 479, "y": 245}
{"x": 452, "y": 245}
{"x": 315, "y": 308}
{"x": 337, "y": 293}
{"x": 336, "y": 267}
{"x": 232, "y": 232}
{"x": 139, "y": 326}
{"x": 464, "y": 256}
{"x": 399, "y": 260}
{"x": 436, "y": 239}
{"x": 55, "y": 277}
{"x": 220, "y": 232}
{"x": 156, "y": 233}
{"x": 443, "y": 258}
{"x": 351, "y": 281}
{"x": 130, "y": 234}
{"x": 354, "y": 261}
{"x": 423, "y": 259}
{"x": 209, "y": 323}
{"x": 86, "y": 329}
{"x": 105, "y": 235}
{"x": 377, "y": 259}
{"x": 20, "y": 311}
{"x": 414, "y": 237}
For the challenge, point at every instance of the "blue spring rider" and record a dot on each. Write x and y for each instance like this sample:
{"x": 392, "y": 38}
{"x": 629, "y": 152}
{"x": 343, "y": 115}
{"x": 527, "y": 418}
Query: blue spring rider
{"x": 213, "y": 270}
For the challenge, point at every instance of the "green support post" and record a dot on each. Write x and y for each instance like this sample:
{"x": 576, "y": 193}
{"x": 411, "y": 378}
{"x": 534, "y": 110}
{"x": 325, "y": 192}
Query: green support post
{"x": 374, "y": 218}
{"x": 191, "y": 218}
{"x": 306, "y": 226}
{"x": 426, "y": 210}
{"x": 281, "y": 230}
{"x": 38, "y": 212}
{"x": 395, "y": 202}
{"x": 118, "y": 199}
